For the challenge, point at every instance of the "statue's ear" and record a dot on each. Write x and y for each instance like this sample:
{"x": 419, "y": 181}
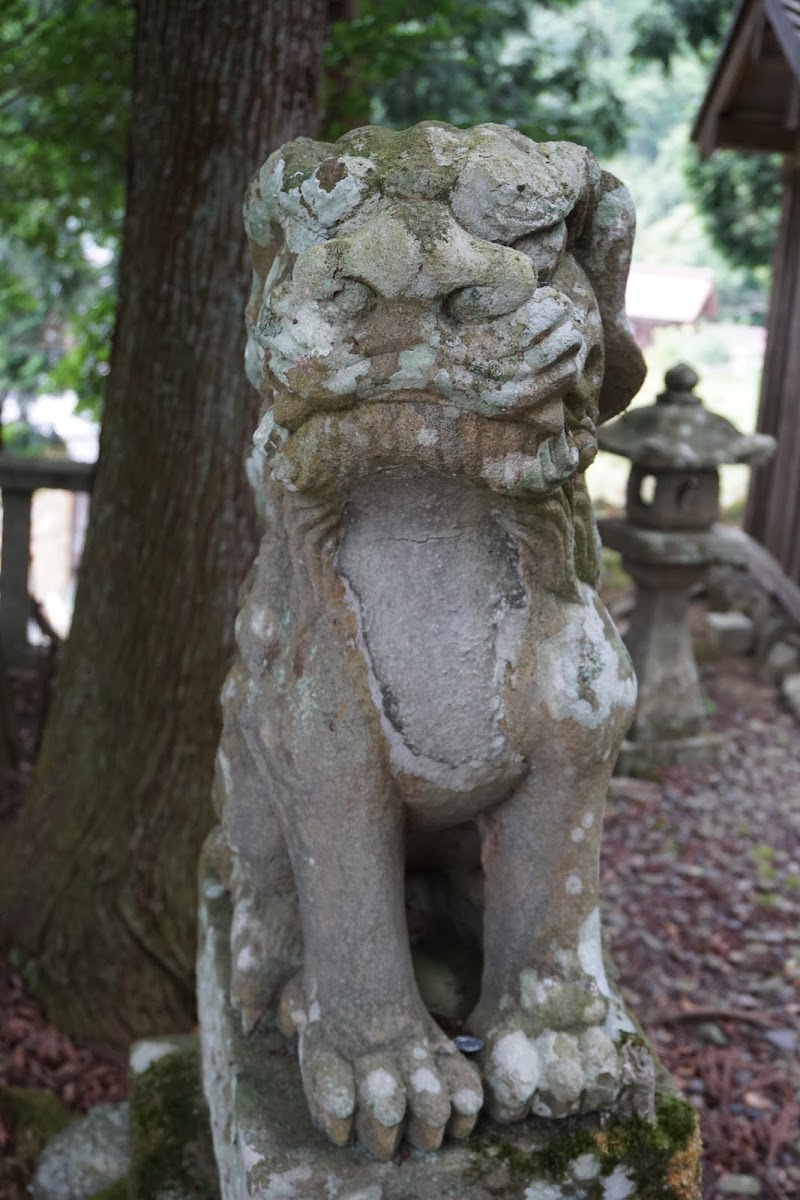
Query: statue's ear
{"x": 603, "y": 245}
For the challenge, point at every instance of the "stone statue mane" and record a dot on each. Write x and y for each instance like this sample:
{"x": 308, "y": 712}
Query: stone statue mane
{"x": 429, "y": 697}
{"x": 447, "y": 299}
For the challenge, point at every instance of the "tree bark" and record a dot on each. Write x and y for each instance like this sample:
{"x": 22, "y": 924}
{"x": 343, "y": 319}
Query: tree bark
{"x": 97, "y": 880}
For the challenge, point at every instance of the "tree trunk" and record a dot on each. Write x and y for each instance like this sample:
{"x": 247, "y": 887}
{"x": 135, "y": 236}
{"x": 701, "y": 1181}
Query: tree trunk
{"x": 97, "y": 881}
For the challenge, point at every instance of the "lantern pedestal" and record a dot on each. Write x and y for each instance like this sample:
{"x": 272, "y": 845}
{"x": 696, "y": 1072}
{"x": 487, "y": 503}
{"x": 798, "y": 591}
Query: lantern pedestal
{"x": 671, "y": 711}
{"x": 668, "y": 540}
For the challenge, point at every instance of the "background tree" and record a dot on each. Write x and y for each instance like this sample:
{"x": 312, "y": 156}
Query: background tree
{"x": 97, "y": 879}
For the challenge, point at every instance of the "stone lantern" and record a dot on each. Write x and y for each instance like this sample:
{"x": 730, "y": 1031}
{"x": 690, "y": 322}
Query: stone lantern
{"x": 668, "y": 538}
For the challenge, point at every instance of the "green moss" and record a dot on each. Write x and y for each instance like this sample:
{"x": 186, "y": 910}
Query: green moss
{"x": 661, "y": 1158}
{"x": 33, "y": 1117}
{"x": 121, "y": 1190}
{"x": 171, "y": 1151}
{"x": 557, "y": 1156}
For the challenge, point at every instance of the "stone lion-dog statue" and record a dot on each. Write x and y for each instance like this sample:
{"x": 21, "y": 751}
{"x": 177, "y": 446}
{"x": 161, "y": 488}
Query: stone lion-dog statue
{"x": 429, "y": 696}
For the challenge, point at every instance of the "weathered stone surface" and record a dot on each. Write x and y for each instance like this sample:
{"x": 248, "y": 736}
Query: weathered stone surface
{"x": 429, "y": 696}
{"x": 669, "y": 541}
{"x": 268, "y": 1148}
{"x": 642, "y": 759}
{"x": 678, "y": 433}
{"x": 781, "y": 660}
{"x": 720, "y": 544}
{"x": 730, "y": 632}
{"x": 86, "y": 1157}
{"x": 171, "y": 1156}
{"x": 740, "y": 1185}
{"x": 790, "y": 692}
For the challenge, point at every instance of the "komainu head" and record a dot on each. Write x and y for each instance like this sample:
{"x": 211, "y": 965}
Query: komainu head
{"x": 444, "y": 298}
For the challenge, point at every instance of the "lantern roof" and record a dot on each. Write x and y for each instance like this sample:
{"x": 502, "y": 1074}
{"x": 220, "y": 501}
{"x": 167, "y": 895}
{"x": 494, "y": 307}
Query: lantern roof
{"x": 678, "y": 433}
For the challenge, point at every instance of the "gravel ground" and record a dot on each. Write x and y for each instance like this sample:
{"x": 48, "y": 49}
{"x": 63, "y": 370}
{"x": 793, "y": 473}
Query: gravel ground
{"x": 701, "y": 881}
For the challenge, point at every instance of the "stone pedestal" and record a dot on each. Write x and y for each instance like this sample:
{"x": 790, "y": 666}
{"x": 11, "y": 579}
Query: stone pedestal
{"x": 670, "y": 723}
{"x": 267, "y": 1148}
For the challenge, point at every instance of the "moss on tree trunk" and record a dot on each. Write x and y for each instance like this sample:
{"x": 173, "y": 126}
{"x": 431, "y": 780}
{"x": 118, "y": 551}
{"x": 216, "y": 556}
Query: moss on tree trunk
{"x": 97, "y": 880}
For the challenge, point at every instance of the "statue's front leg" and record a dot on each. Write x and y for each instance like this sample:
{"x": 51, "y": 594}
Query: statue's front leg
{"x": 373, "y": 1060}
{"x": 558, "y": 1038}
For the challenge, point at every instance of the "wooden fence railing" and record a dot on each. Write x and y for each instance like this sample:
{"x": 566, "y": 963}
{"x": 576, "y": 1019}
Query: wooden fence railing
{"x": 19, "y": 478}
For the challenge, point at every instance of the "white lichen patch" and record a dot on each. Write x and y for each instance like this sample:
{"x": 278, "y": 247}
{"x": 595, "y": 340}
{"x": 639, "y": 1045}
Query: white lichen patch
{"x": 309, "y": 334}
{"x": 577, "y": 835}
{"x": 590, "y": 951}
{"x": 535, "y": 991}
{"x": 514, "y": 1068}
{"x": 145, "y": 1053}
{"x": 224, "y": 767}
{"x": 562, "y": 1070}
{"x": 413, "y": 371}
{"x": 213, "y": 890}
{"x": 334, "y": 1097}
{"x": 424, "y": 1080}
{"x": 345, "y": 381}
{"x": 618, "y": 1186}
{"x": 427, "y": 437}
{"x": 587, "y": 820}
{"x": 543, "y": 1191}
{"x": 267, "y": 431}
{"x": 380, "y": 1085}
{"x": 246, "y": 960}
{"x": 573, "y": 885}
{"x": 445, "y": 146}
{"x": 586, "y": 1166}
{"x": 467, "y": 1102}
{"x": 306, "y": 212}
{"x": 283, "y": 1185}
{"x": 581, "y": 674}
{"x": 250, "y": 1156}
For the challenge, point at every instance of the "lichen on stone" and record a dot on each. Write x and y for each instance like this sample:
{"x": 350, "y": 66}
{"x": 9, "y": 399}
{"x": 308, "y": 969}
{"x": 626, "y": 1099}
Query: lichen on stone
{"x": 660, "y": 1161}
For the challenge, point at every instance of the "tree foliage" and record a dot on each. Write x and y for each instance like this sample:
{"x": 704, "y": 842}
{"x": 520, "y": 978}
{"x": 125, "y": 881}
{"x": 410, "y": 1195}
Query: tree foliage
{"x": 64, "y": 107}
{"x": 670, "y": 28}
{"x": 738, "y": 195}
{"x": 63, "y": 115}
{"x": 740, "y": 198}
{"x": 532, "y": 65}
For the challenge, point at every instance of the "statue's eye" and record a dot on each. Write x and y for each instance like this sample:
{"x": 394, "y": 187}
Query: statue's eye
{"x": 544, "y": 249}
{"x": 353, "y": 299}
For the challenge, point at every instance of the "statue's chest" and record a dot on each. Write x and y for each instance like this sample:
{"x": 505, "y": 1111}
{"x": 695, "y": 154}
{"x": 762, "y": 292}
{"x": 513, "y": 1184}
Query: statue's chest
{"x": 436, "y": 586}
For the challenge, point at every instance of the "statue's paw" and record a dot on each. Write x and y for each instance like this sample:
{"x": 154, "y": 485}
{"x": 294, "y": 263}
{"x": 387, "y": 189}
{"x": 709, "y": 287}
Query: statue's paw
{"x": 418, "y": 1085}
{"x": 265, "y": 948}
{"x": 552, "y": 1074}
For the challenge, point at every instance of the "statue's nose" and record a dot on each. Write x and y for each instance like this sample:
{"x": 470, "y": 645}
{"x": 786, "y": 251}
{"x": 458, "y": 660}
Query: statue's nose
{"x": 419, "y": 252}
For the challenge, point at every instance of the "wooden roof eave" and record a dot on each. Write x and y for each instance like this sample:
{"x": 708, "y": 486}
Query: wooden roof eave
{"x": 728, "y": 69}
{"x": 713, "y": 126}
{"x": 787, "y": 31}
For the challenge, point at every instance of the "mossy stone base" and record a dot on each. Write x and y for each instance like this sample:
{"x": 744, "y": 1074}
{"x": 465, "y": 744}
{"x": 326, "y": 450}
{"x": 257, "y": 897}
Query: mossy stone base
{"x": 643, "y": 759}
{"x": 267, "y": 1148}
{"x": 171, "y": 1153}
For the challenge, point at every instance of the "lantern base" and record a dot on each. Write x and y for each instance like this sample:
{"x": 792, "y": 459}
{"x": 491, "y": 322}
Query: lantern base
{"x": 642, "y": 759}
